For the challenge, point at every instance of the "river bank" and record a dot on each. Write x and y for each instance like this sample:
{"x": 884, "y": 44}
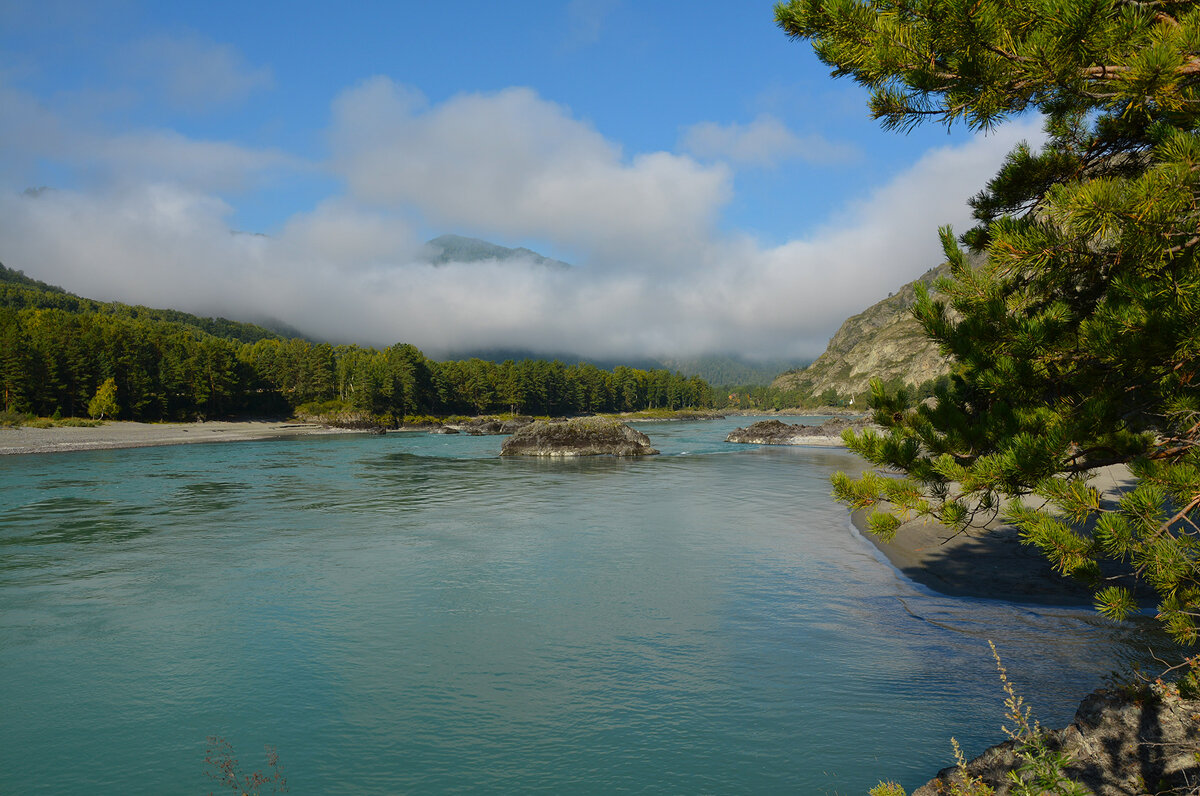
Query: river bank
{"x": 125, "y": 434}
{"x": 989, "y": 562}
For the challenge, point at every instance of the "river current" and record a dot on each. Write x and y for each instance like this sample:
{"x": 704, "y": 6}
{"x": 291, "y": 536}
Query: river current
{"x": 412, "y": 614}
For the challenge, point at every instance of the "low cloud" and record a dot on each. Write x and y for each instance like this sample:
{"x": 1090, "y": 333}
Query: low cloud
{"x": 655, "y": 278}
{"x": 764, "y": 142}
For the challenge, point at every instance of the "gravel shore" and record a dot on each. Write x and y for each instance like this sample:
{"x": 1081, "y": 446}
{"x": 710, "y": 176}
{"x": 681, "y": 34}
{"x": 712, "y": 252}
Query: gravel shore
{"x": 123, "y": 434}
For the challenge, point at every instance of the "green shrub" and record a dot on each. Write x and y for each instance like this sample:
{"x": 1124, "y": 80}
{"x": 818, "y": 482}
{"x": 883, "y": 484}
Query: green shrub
{"x": 1041, "y": 769}
{"x": 12, "y": 419}
{"x": 331, "y": 407}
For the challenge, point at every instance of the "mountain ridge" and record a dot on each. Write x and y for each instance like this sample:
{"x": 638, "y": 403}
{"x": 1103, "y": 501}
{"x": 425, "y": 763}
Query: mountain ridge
{"x": 883, "y": 341}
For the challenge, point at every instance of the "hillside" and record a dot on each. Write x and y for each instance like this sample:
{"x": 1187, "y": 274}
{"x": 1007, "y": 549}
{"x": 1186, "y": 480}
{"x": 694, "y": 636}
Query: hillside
{"x": 59, "y": 353}
{"x": 884, "y": 341}
{"x": 18, "y": 291}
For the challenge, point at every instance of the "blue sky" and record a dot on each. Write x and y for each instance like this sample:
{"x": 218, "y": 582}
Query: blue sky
{"x": 715, "y": 188}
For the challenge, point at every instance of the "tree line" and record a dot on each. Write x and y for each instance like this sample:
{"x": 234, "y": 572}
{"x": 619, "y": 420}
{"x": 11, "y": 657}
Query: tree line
{"x": 53, "y": 360}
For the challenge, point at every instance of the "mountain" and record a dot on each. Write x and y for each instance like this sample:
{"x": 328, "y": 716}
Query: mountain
{"x": 458, "y": 249}
{"x": 731, "y": 370}
{"x": 884, "y": 341}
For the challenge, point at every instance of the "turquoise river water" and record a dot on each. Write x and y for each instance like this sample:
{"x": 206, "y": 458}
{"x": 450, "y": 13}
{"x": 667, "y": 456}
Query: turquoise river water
{"x": 413, "y": 614}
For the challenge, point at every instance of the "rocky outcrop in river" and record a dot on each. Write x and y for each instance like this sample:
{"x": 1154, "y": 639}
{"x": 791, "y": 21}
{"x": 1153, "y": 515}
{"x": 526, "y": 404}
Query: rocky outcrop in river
{"x": 474, "y": 426}
{"x": 776, "y": 432}
{"x": 581, "y": 436}
{"x": 1118, "y": 745}
{"x": 478, "y": 426}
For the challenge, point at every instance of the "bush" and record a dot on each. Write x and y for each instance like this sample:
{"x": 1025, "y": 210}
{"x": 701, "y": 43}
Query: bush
{"x": 13, "y": 419}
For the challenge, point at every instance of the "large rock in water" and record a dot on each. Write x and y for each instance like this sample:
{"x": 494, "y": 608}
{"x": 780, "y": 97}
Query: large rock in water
{"x": 1118, "y": 745}
{"x": 581, "y": 436}
{"x": 775, "y": 432}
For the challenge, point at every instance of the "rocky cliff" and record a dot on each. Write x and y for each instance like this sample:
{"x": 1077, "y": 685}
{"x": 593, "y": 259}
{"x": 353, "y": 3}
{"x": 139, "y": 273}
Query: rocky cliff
{"x": 1118, "y": 745}
{"x": 884, "y": 341}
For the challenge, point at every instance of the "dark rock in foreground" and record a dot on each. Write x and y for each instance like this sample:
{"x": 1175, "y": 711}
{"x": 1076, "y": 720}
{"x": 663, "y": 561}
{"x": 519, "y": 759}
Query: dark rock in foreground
{"x": 1118, "y": 745}
{"x": 582, "y": 436}
{"x": 776, "y": 432}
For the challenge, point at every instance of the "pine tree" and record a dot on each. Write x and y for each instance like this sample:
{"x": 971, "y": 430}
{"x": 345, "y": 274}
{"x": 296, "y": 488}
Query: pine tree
{"x": 1076, "y": 331}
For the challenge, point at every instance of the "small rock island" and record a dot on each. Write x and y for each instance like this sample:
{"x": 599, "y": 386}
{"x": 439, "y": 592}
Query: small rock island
{"x": 580, "y": 436}
{"x": 775, "y": 432}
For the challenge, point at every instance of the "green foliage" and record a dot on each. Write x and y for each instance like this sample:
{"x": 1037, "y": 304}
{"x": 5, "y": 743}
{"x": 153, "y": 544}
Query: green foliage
{"x": 1041, "y": 767}
{"x": 1076, "y": 337}
{"x": 75, "y": 422}
{"x": 12, "y": 419}
{"x": 56, "y": 350}
{"x": 18, "y": 291}
{"x": 104, "y": 402}
{"x": 758, "y": 396}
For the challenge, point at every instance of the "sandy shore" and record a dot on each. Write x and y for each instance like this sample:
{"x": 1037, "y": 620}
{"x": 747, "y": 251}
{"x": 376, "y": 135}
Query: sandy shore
{"x": 122, "y": 434}
{"x": 989, "y": 562}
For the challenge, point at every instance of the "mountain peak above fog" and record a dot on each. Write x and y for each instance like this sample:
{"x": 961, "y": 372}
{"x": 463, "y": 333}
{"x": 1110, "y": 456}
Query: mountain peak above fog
{"x": 459, "y": 249}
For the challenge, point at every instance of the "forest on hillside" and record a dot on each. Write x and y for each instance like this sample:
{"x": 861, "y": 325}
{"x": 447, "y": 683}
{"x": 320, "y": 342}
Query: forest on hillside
{"x": 57, "y": 349}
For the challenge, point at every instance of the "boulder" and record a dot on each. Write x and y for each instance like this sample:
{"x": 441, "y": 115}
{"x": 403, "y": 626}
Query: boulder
{"x": 478, "y": 426}
{"x": 1119, "y": 744}
{"x": 511, "y": 426}
{"x": 582, "y": 436}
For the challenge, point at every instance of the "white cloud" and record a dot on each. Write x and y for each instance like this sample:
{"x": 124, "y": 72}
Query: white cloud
{"x": 30, "y": 130}
{"x": 515, "y": 165}
{"x": 766, "y": 141}
{"x": 196, "y": 74}
{"x": 348, "y": 237}
{"x": 147, "y": 223}
{"x": 344, "y": 271}
{"x": 166, "y": 155}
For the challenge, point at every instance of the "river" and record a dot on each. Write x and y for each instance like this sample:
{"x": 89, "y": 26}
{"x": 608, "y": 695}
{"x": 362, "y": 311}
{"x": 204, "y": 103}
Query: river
{"x": 411, "y": 613}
